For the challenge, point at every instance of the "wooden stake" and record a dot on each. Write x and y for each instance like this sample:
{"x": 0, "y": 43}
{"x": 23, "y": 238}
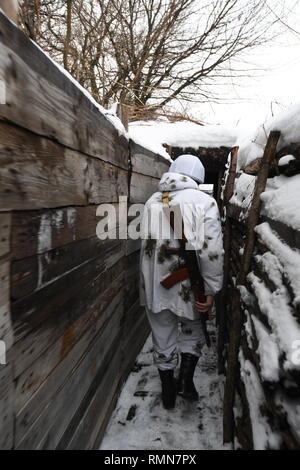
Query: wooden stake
{"x": 228, "y": 193}
{"x": 221, "y": 301}
{"x": 235, "y": 333}
{"x": 123, "y": 114}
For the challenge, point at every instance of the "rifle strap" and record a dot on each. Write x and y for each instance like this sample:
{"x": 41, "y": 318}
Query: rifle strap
{"x": 165, "y": 198}
{"x": 166, "y": 203}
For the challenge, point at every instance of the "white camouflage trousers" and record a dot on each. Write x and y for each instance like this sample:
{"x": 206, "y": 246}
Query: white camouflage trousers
{"x": 172, "y": 335}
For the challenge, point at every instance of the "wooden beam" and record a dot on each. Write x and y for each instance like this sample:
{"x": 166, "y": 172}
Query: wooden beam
{"x": 229, "y": 188}
{"x": 222, "y": 297}
{"x": 37, "y": 173}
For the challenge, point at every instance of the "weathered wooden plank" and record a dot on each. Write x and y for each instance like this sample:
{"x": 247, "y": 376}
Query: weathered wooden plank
{"x": 6, "y": 339}
{"x": 147, "y": 163}
{"x": 142, "y": 187}
{"x": 42, "y": 230}
{"x": 5, "y": 230}
{"x": 70, "y": 297}
{"x": 72, "y": 342}
{"x": 41, "y": 381}
{"x": 132, "y": 246}
{"x": 90, "y": 416}
{"x": 40, "y": 96}
{"x": 6, "y": 333}
{"x": 31, "y": 274}
{"x": 131, "y": 280}
{"x": 289, "y": 235}
{"x": 50, "y": 426}
{"x": 134, "y": 336}
{"x": 38, "y": 173}
{"x": 104, "y": 182}
{"x": 90, "y": 430}
{"x": 105, "y": 421}
{"x": 6, "y": 404}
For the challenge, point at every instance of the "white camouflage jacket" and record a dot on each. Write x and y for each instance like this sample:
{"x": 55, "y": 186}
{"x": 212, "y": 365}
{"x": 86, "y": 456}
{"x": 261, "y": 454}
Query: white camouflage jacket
{"x": 156, "y": 265}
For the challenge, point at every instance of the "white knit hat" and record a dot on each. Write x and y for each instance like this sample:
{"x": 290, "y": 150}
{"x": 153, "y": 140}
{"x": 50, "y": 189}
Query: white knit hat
{"x": 189, "y": 165}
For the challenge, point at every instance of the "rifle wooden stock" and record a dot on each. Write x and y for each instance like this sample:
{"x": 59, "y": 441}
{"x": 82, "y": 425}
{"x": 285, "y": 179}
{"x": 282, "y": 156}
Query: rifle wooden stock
{"x": 174, "y": 278}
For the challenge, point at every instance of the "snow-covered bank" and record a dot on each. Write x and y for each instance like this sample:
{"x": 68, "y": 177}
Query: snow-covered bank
{"x": 269, "y": 354}
{"x": 140, "y": 422}
{"x": 252, "y": 145}
{"x": 281, "y": 200}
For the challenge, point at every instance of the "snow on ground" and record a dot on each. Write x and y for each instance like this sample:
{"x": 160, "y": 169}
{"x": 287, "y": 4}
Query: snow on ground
{"x": 140, "y": 422}
{"x": 153, "y": 134}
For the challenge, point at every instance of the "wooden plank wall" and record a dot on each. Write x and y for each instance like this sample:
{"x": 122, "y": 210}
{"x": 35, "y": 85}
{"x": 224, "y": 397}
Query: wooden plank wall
{"x": 278, "y": 398}
{"x": 69, "y": 310}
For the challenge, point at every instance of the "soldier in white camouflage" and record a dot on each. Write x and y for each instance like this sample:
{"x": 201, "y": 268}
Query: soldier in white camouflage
{"x": 173, "y": 314}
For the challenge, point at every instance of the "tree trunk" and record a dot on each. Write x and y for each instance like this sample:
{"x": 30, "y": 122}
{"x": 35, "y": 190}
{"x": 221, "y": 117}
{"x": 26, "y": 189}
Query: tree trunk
{"x": 68, "y": 33}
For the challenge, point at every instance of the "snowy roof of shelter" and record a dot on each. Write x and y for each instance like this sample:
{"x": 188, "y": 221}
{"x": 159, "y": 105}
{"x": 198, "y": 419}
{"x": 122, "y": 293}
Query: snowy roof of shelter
{"x": 252, "y": 145}
{"x": 183, "y": 134}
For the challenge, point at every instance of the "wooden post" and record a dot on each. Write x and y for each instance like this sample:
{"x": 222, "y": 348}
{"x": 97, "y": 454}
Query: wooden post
{"x": 123, "y": 114}
{"x": 228, "y": 193}
{"x": 219, "y": 190}
{"x": 221, "y": 301}
{"x": 11, "y": 9}
{"x": 235, "y": 333}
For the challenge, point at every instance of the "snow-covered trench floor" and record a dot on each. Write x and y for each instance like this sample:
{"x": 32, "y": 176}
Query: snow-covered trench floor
{"x": 139, "y": 421}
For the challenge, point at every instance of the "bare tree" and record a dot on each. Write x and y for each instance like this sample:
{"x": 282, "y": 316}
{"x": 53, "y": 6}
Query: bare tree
{"x": 68, "y": 33}
{"x": 150, "y": 52}
{"x": 30, "y": 18}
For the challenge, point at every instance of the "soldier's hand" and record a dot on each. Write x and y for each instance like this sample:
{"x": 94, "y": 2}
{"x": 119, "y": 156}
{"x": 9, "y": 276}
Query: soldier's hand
{"x": 206, "y": 307}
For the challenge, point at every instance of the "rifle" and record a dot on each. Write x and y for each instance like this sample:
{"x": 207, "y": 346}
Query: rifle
{"x": 191, "y": 271}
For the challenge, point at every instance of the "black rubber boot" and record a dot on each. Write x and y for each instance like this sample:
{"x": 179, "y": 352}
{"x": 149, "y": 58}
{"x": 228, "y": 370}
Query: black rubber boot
{"x": 185, "y": 383}
{"x": 168, "y": 386}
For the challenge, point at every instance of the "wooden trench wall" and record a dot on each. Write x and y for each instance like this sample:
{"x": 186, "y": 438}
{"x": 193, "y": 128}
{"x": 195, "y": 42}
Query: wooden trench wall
{"x": 271, "y": 393}
{"x": 69, "y": 309}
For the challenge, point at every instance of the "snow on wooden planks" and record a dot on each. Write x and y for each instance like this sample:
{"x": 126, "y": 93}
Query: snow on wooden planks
{"x": 267, "y": 406}
{"x": 43, "y": 99}
{"x": 69, "y": 301}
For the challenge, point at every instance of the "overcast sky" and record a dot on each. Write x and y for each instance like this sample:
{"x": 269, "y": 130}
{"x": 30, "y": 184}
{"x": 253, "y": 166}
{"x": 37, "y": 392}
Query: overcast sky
{"x": 276, "y": 83}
